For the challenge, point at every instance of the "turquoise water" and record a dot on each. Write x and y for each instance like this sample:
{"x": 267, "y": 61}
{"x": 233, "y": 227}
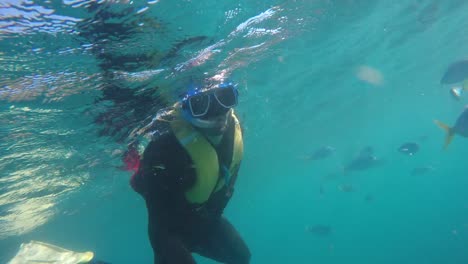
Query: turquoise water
{"x": 348, "y": 74}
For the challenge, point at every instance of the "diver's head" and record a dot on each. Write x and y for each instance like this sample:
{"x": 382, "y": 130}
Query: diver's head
{"x": 208, "y": 109}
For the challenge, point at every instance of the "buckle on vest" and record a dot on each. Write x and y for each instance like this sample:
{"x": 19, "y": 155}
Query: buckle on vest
{"x": 226, "y": 175}
{"x": 198, "y": 207}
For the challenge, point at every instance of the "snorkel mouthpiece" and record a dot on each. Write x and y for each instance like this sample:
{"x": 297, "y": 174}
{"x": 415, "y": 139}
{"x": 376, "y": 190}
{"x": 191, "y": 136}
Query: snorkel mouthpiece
{"x": 215, "y": 123}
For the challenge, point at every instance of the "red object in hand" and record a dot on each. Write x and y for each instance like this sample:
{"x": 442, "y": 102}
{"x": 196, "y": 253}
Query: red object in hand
{"x": 131, "y": 159}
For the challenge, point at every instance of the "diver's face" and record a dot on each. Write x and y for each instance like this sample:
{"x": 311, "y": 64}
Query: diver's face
{"x": 210, "y": 110}
{"x": 218, "y": 124}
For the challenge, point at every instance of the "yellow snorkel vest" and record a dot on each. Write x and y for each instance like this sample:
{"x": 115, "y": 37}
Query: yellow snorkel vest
{"x": 205, "y": 159}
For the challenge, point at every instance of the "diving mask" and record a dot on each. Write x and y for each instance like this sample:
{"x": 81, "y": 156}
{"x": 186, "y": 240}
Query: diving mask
{"x": 211, "y": 103}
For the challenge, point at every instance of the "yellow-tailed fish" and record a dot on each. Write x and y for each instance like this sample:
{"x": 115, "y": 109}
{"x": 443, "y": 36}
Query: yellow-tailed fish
{"x": 460, "y": 127}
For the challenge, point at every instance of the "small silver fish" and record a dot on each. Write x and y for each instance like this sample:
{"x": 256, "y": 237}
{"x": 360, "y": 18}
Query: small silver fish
{"x": 421, "y": 170}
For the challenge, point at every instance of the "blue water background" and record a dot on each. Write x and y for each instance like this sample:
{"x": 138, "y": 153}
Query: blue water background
{"x": 60, "y": 182}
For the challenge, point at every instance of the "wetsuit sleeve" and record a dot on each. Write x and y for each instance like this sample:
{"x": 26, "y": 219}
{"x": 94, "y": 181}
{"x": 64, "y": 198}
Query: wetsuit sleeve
{"x": 165, "y": 167}
{"x": 140, "y": 180}
{"x": 155, "y": 174}
{"x": 156, "y": 193}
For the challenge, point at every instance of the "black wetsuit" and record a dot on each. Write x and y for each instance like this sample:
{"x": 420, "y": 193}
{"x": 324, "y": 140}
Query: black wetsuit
{"x": 177, "y": 228}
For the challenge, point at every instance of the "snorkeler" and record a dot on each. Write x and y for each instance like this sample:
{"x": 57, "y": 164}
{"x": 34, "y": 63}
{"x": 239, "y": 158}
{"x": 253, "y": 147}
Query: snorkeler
{"x": 188, "y": 170}
{"x": 187, "y": 176}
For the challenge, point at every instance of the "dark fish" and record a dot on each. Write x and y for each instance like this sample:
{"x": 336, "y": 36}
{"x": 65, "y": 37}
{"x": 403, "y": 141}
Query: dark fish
{"x": 460, "y": 127}
{"x": 319, "y": 230}
{"x": 369, "y": 198}
{"x": 455, "y": 73}
{"x": 421, "y": 170}
{"x": 322, "y": 191}
{"x": 331, "y": 176}
{"x": 423, "y": 138}
{"x": 409, "y": 148}
{"x": 366, "y": 151}
{"x": 321, "y": 153}
{"x": 365, "y": 160}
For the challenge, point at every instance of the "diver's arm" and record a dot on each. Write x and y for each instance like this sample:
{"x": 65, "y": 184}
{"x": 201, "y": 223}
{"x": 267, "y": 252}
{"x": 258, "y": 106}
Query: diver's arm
{"x": 152, "y": 181}
{"x": 165, "y": 167}
{"x": 152, "y": 175}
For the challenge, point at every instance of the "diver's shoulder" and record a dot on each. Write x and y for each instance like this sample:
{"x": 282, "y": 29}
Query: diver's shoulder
{"x": 162, "y": 134}
{"x": 160, "y": 140}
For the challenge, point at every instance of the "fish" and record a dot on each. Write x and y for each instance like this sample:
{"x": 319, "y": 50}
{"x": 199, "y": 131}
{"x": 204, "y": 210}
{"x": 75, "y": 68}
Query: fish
{"x": 364, "y": 160}
{"x": 460, "y": 128}
{"x": 409, "y": 148}
{"x": 456, "y": 72}
{"x": 366, "y": 151}
{"x": 423, "y": 138}
{"x": 456, "y": 76}
{"x": 322, "y": 191}
{"x": 321, "y": 153}
{"x": 369, "y": 197}
{"x": 319, "y": 230}
{"x": 348, "y": 188}
{"x": 331, "y": 176}
{"x": 457, "y": 91}
{"x": 422, "y": 170}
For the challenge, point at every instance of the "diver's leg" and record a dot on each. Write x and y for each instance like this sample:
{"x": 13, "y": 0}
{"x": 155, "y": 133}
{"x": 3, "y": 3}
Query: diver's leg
{"x": 167, "y": 248}
{"x": 174, "y": 251}
{"x": 224, "y": 244}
